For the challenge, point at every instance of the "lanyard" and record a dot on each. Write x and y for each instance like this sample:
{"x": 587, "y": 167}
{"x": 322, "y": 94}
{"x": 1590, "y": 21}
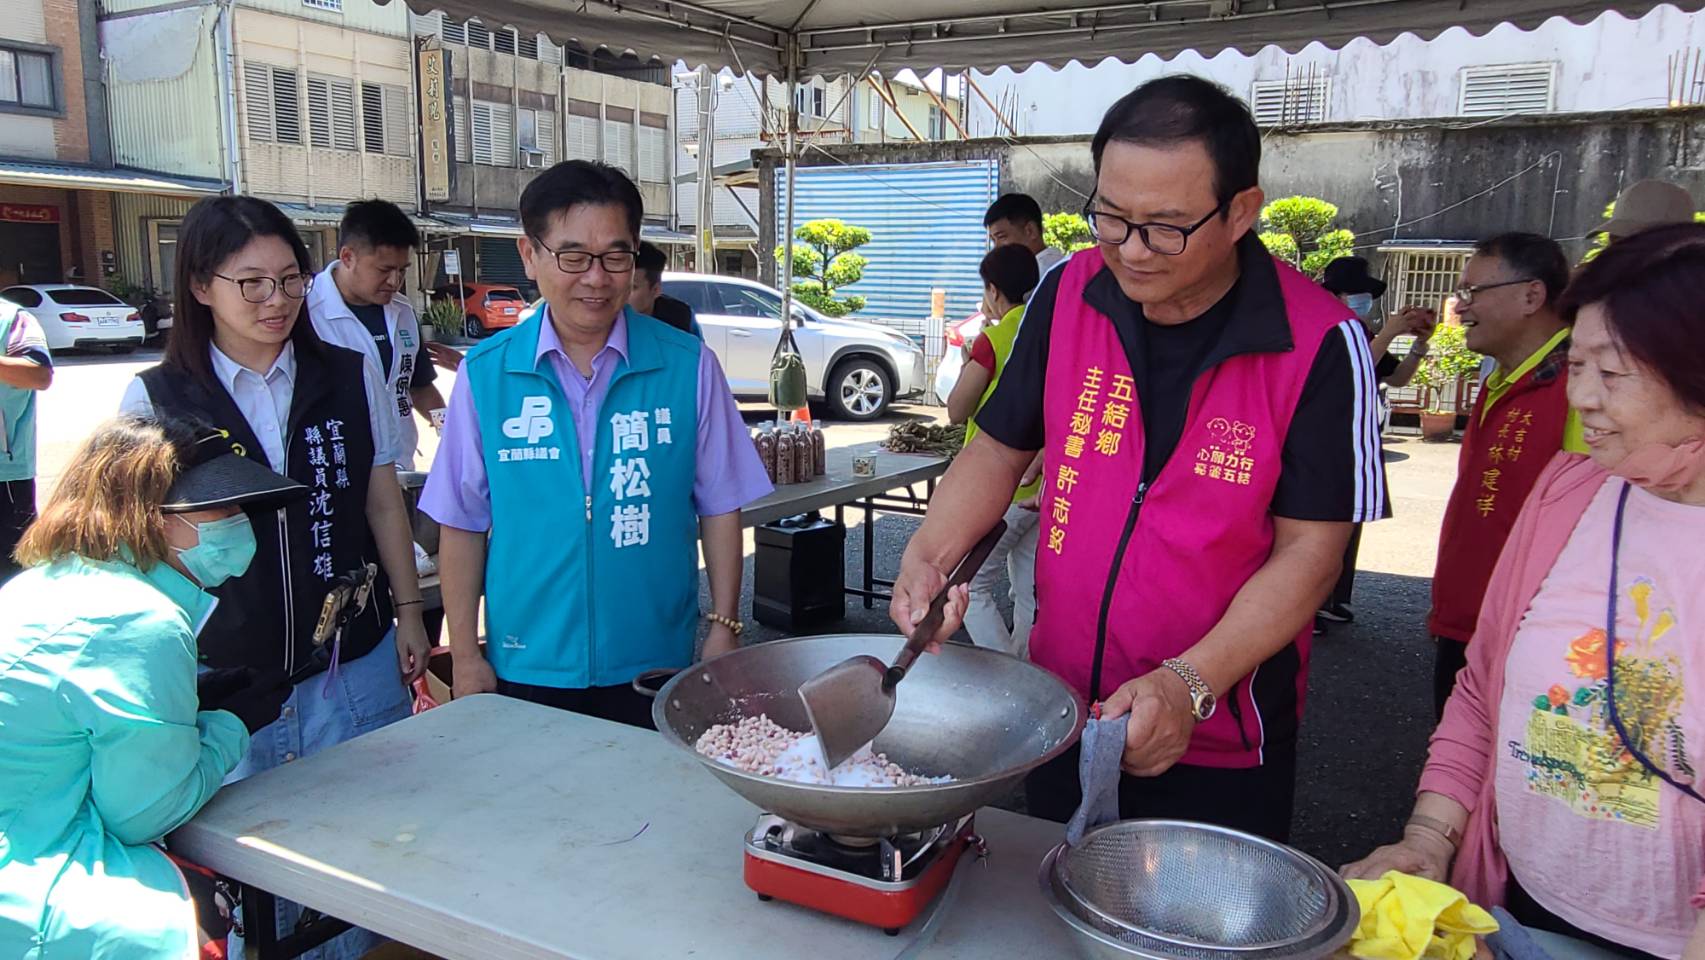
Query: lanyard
{"x": 1610, "y": 655}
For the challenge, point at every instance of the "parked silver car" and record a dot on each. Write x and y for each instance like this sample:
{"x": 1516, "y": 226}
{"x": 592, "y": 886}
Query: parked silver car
{"x": 857, "y": 368}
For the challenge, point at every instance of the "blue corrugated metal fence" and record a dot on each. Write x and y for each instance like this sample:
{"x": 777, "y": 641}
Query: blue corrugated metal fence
{"x": 926, "y": 225}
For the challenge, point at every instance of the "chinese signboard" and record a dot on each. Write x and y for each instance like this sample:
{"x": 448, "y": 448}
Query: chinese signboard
{"x": 28, "y": 213}
{"x": 435, "y": 123}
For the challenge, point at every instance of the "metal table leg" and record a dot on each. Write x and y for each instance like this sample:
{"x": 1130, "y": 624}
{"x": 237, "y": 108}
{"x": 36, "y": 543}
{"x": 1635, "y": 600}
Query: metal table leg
{"x": 260, "y": 929}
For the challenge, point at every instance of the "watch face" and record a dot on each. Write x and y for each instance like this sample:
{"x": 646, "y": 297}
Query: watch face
{"x": 1205, "y": 706}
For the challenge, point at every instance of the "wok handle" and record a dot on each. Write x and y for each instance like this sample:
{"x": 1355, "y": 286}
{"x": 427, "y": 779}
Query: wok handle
{"x": 650, "y": 683}
{"x": 931, "y": 622}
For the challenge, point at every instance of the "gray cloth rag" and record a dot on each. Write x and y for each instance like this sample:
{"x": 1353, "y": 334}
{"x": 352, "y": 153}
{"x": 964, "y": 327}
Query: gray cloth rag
{"x": 1101, "y": 746}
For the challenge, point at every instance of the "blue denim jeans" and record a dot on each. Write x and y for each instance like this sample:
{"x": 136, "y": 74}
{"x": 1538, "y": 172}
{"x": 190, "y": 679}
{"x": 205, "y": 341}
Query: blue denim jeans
{"x": 363, "y": 696}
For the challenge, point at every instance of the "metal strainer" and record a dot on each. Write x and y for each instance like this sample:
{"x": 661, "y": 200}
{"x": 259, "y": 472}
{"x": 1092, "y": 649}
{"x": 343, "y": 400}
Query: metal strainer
{"x": 1189, "y": 891}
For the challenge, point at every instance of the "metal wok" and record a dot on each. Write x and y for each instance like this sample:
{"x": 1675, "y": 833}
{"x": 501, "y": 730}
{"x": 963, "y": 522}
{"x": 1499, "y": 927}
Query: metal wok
{"x": 984, "y": 718}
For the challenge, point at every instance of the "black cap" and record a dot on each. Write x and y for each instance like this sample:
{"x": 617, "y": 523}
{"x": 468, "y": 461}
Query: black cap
{"x": 1350, "y": 275}
{"x": 215, "y": 476}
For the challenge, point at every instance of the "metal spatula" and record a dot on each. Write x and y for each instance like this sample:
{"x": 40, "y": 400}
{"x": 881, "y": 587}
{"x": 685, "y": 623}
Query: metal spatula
{"x": 851, "y": 702}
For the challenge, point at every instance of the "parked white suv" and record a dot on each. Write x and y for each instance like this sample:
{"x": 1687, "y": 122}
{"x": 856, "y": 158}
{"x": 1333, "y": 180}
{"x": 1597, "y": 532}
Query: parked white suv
{"x": 857, "y": 368}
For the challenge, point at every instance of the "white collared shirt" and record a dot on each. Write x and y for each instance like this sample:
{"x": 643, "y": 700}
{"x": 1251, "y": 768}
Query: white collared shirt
{"x": 337, "y": 324}
{"x": 264, "y": 401}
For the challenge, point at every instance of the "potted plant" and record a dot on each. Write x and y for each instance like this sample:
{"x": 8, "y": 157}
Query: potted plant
{"x": 1448, "y": 362}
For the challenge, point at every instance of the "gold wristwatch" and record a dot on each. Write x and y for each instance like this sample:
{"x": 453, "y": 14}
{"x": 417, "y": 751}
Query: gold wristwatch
{"x": 1202, "y": 699}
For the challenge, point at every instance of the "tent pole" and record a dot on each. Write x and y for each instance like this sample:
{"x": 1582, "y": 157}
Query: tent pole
{"x": 790, "y": 154}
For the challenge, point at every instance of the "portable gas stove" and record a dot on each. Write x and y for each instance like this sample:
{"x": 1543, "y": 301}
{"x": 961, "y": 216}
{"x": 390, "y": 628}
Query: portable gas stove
{"x": 883, "y": 882}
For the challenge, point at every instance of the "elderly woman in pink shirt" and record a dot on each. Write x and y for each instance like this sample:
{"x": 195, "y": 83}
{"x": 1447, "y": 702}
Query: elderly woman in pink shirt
{"x": 1565, "y": 781}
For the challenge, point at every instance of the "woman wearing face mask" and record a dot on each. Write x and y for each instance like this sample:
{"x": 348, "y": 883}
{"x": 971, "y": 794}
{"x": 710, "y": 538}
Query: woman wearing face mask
{"x": 1565, "y": 779}
{"x": 108, "y": 743}
{"x": 1348, "y": 279}
{"x": 244, "y": 359}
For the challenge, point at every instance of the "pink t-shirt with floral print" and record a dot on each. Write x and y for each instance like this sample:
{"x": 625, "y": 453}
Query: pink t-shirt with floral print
{"x": 1590, "y": 833}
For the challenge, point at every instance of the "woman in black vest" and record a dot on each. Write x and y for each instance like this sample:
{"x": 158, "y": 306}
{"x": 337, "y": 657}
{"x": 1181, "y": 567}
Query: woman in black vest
{"x": 243, "y": 358}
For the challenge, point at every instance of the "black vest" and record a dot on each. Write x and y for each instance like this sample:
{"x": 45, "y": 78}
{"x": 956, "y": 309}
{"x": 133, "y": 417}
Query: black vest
{"x": 265, "y": 618}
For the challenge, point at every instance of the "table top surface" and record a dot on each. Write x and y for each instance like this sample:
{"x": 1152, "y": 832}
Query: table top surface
{"x": 839, "y": 486}
{"x": 494, "y": 828}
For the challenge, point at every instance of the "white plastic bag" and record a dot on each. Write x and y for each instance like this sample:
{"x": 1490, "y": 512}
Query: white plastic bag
{"x": 947, "y": 373}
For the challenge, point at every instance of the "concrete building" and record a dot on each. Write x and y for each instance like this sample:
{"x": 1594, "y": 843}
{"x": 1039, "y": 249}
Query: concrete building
{"x": 308, "y": 103}
{"x": 58, "y": 182}
{"x": 520, "y": 104}
{"x": 1612, "y": 63}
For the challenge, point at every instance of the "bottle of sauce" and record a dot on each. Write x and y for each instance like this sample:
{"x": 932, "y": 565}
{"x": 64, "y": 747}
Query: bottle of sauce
{"x": 804, "y": 460}
{"x": 785, "y": 463}
{"x": 767, "y": 451}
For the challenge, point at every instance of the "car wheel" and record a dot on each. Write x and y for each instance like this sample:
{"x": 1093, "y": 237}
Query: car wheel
{"x": 859, "y": 389}
{"x": 475, "y": 329}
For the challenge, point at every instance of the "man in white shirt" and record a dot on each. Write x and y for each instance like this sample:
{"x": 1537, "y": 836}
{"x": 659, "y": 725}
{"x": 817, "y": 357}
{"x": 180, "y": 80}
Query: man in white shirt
{"x": 356, "y": 303}
{"x": 1017, "y": 218}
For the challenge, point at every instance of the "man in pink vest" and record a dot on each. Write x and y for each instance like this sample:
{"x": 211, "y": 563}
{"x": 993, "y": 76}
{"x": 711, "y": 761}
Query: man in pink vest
{"x": 1207, "y": 417}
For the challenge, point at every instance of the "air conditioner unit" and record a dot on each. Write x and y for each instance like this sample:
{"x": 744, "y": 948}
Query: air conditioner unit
{"x": 533, "y": 159}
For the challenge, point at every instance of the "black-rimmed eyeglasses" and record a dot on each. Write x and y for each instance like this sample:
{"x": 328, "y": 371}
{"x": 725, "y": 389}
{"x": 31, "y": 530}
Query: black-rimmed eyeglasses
{"x": 261, "y": 289}
{"x": 580, "y": 261}
{"x": 1166, "y": 239}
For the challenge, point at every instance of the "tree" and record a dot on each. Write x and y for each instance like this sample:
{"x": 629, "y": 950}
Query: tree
{"x": 1299, "y": 230}
{"x": 823, "y": 262}
{"x": 1066, "y": 231}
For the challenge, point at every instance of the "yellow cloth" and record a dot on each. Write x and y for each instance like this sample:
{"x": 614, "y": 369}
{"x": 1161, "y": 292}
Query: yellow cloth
{"x": 1407, "y": 918}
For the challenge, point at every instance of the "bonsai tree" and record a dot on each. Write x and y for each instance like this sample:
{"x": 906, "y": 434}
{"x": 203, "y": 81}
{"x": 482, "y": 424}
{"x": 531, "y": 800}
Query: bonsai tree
{"x": 824, "y": 261}
{"x": 1066, "y": 231}
{"x": 1300, "y": 230}
{"x": 1448, "y": 361}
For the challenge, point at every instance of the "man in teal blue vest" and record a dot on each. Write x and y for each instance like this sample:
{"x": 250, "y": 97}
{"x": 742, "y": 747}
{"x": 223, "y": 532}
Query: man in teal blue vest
{"x": 585, "y": 452}
{"x": 25, "y": 367}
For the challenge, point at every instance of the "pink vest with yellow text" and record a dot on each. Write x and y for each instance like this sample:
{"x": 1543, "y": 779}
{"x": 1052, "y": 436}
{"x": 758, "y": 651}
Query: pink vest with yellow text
{"x": 1191, "y": 538}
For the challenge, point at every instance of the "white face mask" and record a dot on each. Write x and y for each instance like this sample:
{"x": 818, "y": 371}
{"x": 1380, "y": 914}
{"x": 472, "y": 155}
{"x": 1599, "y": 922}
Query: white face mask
{"x": 1361, "y": 304}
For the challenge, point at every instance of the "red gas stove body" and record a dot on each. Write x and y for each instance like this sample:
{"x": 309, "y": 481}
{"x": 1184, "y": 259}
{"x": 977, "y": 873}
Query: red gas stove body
{"x": 884, "y": 883}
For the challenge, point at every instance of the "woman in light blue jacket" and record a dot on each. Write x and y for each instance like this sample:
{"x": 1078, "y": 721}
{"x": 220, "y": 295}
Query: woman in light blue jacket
{"x": 106, "y": 743}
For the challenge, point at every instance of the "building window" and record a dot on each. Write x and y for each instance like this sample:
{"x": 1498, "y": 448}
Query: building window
{"x": 653, "y": 149}
{"x": 473, "y": 33}
{"x": 331, "y": 113}
{"x": 1279, "y": 103}
{"x": 1508, "y": 88}
{"x": 875, "y": 102}
{"x": 336, "y": 6}
{"x": 537, "y": 138}
{"x": 937, "y": 123}
{"x": 808, "y": 100}
{"x": 26, "y": 79}
{"x": 492, "y": 126}
{"x": 1426, "y": 277}
{"x": 618, "y": 139}
{"x": 582, "y": 130}
{"x": 163, "y": 253}
{"x": 272, "y": 103}
{"x": 463, "y": 137}
{"x": 385, "y": 119}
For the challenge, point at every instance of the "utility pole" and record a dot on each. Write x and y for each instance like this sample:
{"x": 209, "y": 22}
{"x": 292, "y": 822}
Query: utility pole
{"x": 707, "y": 172}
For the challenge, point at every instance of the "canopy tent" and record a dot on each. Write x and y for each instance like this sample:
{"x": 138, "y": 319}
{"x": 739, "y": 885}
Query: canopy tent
{"x": 831, "y": 37}
{"x": 795, "y": 39}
